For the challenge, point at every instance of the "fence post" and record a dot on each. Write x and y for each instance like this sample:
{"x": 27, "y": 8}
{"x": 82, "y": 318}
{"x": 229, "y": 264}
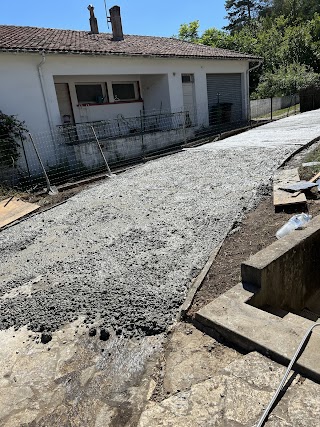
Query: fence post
{"x": 25, "y": 157}
{"x": 101, "y": 151}
{"x": 51, "y": 190}
{"x": 271, "y": 105}
{"x": 142, "y": 133}
{"x": 184, "y": 127}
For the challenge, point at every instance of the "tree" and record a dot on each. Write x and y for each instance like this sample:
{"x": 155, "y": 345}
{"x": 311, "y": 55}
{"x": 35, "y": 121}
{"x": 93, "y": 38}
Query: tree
{"x": 241, "y": 12}
{"x": 11, "y": 129}
{"x": 286, "y": 80}
{"x": 217, "y": 38}
{"x": 189, "y": 32}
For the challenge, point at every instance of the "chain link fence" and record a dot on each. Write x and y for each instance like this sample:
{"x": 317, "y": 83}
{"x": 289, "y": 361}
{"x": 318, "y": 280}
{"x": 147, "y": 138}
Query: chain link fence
{"x": 71, "y": 153}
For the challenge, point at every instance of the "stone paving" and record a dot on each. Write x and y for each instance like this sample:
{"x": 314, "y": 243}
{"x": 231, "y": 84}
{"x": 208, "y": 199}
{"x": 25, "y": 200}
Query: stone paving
{"x": 231, "y": 391}
{"x": 75, "y": 380}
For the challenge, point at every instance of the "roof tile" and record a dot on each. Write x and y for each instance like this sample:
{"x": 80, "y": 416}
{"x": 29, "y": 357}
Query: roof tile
{"x": 16, "y": 38}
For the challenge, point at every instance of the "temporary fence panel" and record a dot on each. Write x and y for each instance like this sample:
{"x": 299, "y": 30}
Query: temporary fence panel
{"x": 73, "y": 152}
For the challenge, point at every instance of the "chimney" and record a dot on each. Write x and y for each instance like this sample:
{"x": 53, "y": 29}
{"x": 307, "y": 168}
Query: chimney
{"x": 93, "y": 21}
{"x": 115, "y": 19}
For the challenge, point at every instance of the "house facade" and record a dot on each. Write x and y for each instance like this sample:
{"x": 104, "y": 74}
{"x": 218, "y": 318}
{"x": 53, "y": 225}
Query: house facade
{"x": 51, "y": 78}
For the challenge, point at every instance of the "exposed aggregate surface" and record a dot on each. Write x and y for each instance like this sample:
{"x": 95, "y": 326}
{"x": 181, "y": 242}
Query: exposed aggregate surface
{"x": 123, "y": 252}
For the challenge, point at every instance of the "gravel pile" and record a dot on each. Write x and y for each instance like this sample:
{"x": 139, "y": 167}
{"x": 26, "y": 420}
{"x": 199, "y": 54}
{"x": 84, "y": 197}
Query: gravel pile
{"x": 123, "y": 252}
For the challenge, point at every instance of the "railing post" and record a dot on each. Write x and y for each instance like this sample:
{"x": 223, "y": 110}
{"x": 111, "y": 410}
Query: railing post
{"x": 271, "y": 106}
{"x": 51, "y": 190}
{"x": 184, "y": 127}
{"x": 142, "y": 132}
{"x": 25, "y": 156}
{"x": 101, "y": 151}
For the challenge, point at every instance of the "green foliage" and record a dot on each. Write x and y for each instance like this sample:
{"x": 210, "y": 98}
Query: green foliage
{"x": 242, "y": 12}
{"x": 286, "y": 80}
{"x": 295, "y": 9}
{"x": 11, "y": 130}
{"x": 189, "y": 32}
{"x": 285, "y": 33}
{"x": 217, "y": 38}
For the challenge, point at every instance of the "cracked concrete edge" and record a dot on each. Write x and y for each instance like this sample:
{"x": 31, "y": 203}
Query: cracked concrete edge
{"x": 197, "y": 282}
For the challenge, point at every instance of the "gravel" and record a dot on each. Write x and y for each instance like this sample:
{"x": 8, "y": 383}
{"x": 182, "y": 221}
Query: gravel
{"x": 123, "y": 253}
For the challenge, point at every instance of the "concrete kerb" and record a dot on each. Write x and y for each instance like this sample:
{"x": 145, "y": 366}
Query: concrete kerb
{"x": 298, "y": 150}
{"x": 197, "y": 282}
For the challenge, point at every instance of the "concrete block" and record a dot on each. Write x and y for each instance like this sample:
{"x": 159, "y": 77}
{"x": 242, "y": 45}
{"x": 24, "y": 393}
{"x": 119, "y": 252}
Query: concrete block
{"x": 286, "y": 273}
{"x": 231, "y": 317}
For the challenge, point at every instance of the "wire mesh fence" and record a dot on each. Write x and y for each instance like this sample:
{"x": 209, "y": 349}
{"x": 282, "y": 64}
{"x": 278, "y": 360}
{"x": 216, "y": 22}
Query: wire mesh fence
{"x": 69, "y": 153}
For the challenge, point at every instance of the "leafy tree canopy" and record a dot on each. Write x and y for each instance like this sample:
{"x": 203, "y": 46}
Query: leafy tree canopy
{"x": 286, "y": 80}
{"x": 275, "y": 30}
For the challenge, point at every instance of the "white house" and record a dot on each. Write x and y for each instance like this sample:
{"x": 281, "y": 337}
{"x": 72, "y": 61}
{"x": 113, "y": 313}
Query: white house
{"x": 50, "y": 77}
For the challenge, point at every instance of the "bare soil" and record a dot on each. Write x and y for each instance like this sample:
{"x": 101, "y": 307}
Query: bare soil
{"x": 257, "y": 231}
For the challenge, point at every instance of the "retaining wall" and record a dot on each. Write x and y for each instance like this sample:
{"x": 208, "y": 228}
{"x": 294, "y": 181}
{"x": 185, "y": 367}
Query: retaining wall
{"x": 262, "y": 107}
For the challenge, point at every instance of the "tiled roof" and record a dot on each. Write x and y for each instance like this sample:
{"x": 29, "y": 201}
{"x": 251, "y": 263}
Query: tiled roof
{"x": 32, "y": 39}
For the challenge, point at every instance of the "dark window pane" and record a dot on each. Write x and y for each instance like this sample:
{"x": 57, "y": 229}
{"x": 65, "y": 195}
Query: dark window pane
{"x": 89, "y": 93}
{"x": 123, "y": 91}
{"x": 187, "y": 78}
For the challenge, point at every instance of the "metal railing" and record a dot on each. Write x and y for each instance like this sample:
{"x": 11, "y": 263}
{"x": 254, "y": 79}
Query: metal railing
{"x": 71, "y": 153}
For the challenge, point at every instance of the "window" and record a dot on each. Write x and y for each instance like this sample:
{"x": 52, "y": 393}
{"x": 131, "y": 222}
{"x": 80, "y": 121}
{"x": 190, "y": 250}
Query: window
{"x": 187, "y": 78}
{"x": 91, "y": 93}
{"x": 125, "y": 91}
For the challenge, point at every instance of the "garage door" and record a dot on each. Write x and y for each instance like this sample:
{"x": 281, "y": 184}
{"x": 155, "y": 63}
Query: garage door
{"x": 224, "y": 90}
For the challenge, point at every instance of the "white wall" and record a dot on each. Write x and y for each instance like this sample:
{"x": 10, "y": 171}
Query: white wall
{"x": 20, "y": 89}
{"x": 155, "y": 92}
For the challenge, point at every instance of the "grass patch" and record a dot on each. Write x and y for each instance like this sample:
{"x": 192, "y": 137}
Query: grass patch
{"x": 284, "y": 112}
{"x": 309, "y": 172}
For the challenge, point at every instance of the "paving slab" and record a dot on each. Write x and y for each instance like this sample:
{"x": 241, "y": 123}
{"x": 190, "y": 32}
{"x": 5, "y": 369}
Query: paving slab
{"x": 191, "y": 357}
{"x": 75, "y": 380}
{"x": 236, "y": 397}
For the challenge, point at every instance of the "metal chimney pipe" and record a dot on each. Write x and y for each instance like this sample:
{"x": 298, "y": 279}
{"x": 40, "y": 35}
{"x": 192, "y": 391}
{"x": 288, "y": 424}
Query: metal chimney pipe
{"x": 115, "y": 19}
{"x": 93, "y": 21}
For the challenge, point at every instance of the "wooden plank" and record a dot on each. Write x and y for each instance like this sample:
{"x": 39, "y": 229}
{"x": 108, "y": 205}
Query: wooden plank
{"x": 13, "y": 209}
{"x": 281, "y": 197}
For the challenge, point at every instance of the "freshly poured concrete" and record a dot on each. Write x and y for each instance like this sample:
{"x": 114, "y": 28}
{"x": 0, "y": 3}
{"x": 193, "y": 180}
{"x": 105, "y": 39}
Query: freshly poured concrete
{"x": 253, "y": 329}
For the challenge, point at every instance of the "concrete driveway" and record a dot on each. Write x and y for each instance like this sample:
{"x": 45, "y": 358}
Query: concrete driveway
{"x": 117, "y": 260}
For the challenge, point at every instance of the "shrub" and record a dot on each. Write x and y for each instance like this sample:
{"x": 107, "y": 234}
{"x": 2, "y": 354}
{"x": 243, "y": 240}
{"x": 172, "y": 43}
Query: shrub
{"x": 11, "y": 130}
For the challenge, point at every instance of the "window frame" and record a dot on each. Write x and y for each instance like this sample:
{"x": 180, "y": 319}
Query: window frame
{"x": 136, "y": 88}
{"x": 191, "y": 76}
{"x": 104, "y": 90}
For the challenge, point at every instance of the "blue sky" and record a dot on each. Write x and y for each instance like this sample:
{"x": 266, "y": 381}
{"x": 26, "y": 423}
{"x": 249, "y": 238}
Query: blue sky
{"x": 146, "y": 17}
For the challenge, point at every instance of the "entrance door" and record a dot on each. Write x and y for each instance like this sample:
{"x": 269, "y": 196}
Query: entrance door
{"x": 64, "y": 102}
{"x": 188, "y": 98}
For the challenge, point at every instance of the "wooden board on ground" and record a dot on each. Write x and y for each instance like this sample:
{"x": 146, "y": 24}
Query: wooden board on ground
{"x": 13, "y": 209}
{"x": 281, "y": 179}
